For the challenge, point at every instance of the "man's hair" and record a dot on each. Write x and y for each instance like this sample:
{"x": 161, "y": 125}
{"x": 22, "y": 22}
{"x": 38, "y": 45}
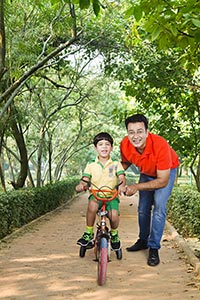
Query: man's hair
{"x": 135, "y": 119}
{"x": 102, "y": 136}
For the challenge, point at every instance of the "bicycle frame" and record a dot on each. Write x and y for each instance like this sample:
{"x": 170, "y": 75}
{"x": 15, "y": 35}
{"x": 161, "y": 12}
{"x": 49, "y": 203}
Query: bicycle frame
{"x": 102, "y": 238}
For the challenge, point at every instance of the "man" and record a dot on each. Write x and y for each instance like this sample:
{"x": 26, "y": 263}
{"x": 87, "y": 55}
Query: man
{"x": 157, "y": 163}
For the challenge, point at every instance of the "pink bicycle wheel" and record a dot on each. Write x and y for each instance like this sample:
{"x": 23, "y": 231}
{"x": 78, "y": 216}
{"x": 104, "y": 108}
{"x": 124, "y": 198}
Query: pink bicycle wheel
{"x": 103, "y": 261}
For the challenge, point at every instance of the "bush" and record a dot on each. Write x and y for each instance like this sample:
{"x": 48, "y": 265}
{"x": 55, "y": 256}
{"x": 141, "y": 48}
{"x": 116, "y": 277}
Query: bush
{"x": 184, "y": 211}
{"x": 19, "y": 207}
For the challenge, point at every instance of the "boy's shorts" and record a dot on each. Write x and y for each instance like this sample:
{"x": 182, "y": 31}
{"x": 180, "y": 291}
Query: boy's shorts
{"x": 113, "y": 204}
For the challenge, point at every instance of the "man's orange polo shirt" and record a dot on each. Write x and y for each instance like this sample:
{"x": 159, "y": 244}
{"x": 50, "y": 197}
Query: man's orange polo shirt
{"x": 157, "y": 155}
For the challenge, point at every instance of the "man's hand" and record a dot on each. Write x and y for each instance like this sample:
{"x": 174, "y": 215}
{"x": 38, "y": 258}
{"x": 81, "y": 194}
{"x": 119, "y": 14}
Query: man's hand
{"x": 131, "y": 190}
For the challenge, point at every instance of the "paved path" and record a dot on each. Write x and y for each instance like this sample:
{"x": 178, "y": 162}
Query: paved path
{"x": 42, "y": 262}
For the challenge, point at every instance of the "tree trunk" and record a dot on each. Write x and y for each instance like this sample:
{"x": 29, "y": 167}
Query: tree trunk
{"x": 19, "y": 138}
{"x": 2, "y": 40}
{"x": 196, "y": 172}
{"x": 198, "y": 175}
{"x": 39, "y": 160}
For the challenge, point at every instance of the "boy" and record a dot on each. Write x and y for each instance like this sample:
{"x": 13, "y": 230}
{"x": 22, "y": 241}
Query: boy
{"x": 102, "y": 171}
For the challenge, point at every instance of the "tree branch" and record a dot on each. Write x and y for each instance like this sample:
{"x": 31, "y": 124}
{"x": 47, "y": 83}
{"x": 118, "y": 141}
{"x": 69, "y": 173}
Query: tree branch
{"x": 36, "y": 67}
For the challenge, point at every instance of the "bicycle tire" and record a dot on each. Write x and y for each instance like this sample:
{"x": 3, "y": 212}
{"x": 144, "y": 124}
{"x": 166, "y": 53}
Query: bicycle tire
{"x": 103, "y": 261}
{"x": 82, "y": 251}
{"x": 119, "y": 254}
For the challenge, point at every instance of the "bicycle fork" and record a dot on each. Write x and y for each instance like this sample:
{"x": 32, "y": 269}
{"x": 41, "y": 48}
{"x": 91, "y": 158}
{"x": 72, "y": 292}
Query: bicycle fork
{"x": 102, "y": 231}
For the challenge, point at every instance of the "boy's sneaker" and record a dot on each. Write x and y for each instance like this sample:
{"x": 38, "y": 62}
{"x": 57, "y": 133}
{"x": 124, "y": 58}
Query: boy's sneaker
{"x": 85, "y": 239}
{"x": 115, "y": 242}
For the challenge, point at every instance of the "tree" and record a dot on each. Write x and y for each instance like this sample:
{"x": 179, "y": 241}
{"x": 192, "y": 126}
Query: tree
{"x": 53, "y": 100}
{"x": 170, "y": 24}
{"x": 16, "y": 70}
{"x": 168, "y": 94}
{"x": 162, "y": 73}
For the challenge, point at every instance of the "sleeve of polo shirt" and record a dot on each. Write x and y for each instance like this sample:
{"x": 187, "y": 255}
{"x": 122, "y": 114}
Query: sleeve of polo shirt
{"x": 87, "y": 171}
{"x": 122, "y": 151}
{"x": 120, "y": 169}
{"x": 164, "y": 159}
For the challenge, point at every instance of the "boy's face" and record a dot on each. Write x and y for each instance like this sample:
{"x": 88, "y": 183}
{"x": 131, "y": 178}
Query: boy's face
{"x": 103, "y": 148}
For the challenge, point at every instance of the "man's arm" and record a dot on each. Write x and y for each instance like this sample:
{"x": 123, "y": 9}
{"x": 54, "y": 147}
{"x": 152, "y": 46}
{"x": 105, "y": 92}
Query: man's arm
{"x": 159, "y": 182}
{"x": 125, "y": 165}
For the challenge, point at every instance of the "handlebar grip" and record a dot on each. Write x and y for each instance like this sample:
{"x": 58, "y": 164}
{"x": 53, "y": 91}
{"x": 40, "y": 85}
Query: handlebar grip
{"x": 88, "y": 184}
{"x": 117, "y": 186}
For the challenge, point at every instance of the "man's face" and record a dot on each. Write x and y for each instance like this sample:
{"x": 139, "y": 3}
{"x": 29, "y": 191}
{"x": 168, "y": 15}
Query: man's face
{"x": 137, "y": 134}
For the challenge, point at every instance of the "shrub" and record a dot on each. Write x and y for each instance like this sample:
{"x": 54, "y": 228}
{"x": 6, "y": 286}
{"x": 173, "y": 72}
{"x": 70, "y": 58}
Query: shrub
{"x": 184, "y": 211}
{"x": 19, "y": 207}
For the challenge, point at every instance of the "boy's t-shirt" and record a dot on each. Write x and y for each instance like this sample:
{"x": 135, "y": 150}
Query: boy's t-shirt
{"x": 103, "y": 175}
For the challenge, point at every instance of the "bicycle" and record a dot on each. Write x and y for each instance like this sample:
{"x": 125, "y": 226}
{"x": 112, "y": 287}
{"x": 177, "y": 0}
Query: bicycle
{"x": 101, "y": 242}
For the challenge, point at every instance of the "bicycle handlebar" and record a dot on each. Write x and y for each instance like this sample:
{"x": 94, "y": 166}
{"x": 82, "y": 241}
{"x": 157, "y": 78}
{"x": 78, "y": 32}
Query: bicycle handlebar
{"x": 103, "y": 190}
{"x": 104, "y": 198}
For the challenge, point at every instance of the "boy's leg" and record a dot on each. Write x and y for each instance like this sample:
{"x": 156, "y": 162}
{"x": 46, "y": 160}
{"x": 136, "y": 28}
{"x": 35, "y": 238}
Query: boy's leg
{"x": 113, "y": 214}
{"x": 91, "y": 212}
{"x": 88, "y": 235}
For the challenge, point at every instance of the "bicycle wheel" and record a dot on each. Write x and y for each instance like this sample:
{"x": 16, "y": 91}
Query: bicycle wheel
{"x": 82, "y": 251}
{"x": 103, "y": 261}
{"x": 119, "y": 254}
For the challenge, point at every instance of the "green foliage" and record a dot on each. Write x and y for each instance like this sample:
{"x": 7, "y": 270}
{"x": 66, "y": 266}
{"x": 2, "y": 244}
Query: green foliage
{"x": 184, "y": 211}
{"x": 65, "y": 103}
{"x": 170, "y": 24}
{"x": 17, "y": 208}
{"x": 36, "y": 23}
{"x": 157, "y": 84}
{"x": 85, "y": 4}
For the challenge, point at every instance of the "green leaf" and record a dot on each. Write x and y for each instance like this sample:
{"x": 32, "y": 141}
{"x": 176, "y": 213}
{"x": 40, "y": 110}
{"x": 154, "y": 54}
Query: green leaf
{"x": 156, "y": 32}
{"x": 197, "y": 37}
{"x": 129, "y": 12}
{"x": 174, "y": 30}
{"x": 137, "y": 13}
{"x": 84, "y": 4}
{"x": 196, "y": 22}
{"x": 73, "y": 1}
{"x": 96, "y": 7}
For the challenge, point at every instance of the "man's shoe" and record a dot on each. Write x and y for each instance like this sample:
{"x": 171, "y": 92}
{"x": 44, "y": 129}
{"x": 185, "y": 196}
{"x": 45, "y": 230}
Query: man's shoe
{"x": 85, "y": 239}
{"x": 153, "y": 259}
{"x": 139, "y": 245}
{"x": 115, "y": 242}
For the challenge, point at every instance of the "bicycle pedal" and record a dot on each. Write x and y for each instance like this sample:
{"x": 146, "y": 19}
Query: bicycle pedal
{"x": 115, "y": 250}
{"x": 90, "y": 245}
{"x": 102, "y": 213}
{"x": 96, "y": 260}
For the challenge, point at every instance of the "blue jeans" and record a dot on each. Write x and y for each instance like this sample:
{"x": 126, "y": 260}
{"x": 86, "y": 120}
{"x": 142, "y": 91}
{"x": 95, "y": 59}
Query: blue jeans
{"x": 152, "y": 223}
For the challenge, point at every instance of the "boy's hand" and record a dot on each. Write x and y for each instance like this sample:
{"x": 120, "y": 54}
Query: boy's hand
{"x": 121, "y": 190}
{"x": 81, "y": 187}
